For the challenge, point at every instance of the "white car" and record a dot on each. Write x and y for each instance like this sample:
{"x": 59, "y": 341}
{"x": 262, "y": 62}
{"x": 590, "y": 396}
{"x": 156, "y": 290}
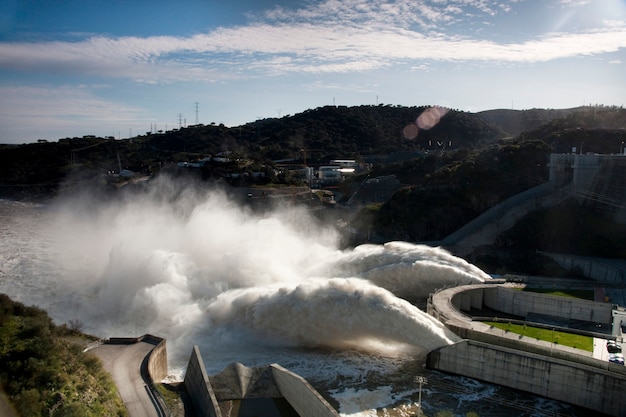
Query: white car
{"x": 616, "y": 358}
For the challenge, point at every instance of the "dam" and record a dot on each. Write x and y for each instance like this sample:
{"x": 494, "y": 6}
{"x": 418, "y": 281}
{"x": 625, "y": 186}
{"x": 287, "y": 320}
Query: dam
{"x": 270, "y": 390}
{"x": 543, "y": 368}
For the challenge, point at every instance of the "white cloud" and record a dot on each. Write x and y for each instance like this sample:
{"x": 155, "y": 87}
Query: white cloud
{"x": 330, "y": 37}
{"x": 286, "y": 48}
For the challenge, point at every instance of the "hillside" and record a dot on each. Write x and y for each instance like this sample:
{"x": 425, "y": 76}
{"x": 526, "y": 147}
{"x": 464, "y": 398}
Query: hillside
{"x": 319, "y": 135}
{"x": 514, "y": 122}
{"x": 44, "y": 371}
{"x": 451, "y": 166}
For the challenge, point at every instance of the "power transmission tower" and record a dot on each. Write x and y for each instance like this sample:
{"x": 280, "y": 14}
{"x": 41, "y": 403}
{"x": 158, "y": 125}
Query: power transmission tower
{"x": 197, "y": 120}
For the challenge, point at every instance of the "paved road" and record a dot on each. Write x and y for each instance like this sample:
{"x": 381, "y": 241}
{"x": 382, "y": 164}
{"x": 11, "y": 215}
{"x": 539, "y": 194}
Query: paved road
{"x": 124, "y": 363}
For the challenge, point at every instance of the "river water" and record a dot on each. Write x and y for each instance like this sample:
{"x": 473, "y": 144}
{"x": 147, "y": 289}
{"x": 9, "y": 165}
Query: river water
{"x": 198, "y": 269}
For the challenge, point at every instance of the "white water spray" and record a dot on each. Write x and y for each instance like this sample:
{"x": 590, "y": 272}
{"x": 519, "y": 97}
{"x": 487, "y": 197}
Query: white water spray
{"x": 188, "y": 265}
{"x": 336, "y": 312}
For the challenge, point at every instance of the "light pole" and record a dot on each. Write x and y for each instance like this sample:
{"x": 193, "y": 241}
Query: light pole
{"x": 621, "y": 148}
{"x": 422, "y": 381}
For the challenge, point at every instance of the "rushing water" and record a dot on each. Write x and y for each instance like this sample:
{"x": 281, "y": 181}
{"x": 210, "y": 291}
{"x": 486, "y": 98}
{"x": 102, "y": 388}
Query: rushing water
{"x": 198, "y": 269}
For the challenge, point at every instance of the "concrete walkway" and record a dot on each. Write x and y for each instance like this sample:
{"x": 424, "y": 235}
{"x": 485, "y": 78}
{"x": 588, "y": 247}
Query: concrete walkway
{"x": 599, "y": 349}
{"x": 124, "y": 363}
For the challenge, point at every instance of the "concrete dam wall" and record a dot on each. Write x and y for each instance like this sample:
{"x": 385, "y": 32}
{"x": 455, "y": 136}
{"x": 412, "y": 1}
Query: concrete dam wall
{"x": 198, "y": 387}
{"x": 521, "y": 303}
{"x": 567, "y": 381}
{"x": 237, "y": 382}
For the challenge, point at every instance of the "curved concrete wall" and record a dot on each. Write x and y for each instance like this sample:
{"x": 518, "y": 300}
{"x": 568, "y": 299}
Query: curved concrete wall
{"x": 521, "y": 303}
{"x": 566, "y": 381}
{"x": 523, "y": 363}
{"x": 157, "y": 359}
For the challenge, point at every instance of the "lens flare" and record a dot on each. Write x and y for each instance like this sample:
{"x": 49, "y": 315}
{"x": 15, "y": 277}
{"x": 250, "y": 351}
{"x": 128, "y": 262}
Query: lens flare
{"x": 410, "y": 131}
{"x": 430, "y": 117}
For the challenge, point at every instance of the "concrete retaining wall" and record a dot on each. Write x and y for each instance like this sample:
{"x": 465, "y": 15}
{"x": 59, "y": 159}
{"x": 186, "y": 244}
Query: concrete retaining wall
{"x": 521, "y": 303}
{"x": 157, "y": 359}
{"x": 301, "y": 395}
{"x": 198, "y": 387}
{"x": 567, "y": 381}
{"x": 596, "y": 269}
{"x": 296, "y": 390}
{"x": 537, "y": 347}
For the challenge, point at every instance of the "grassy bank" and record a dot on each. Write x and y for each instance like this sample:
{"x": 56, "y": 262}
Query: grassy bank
{"x": 582, "y": 294}
{"x": 553, "y": 336}
{"x": 44, "y": 371}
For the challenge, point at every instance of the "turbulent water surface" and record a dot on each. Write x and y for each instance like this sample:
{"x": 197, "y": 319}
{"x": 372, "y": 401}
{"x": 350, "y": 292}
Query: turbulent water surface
{"x": 198, "y": 269}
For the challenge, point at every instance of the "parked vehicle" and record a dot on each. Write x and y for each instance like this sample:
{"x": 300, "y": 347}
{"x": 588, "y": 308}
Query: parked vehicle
{"x": 616, "y": 358}
{"x": 613, "y": 347}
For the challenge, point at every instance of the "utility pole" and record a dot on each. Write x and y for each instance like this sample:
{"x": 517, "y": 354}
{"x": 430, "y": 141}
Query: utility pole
{"x": 422, "y": 381}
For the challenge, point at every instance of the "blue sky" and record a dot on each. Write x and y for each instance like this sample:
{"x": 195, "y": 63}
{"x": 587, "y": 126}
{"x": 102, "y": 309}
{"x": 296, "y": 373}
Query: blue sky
{"x": 123, "y": 67}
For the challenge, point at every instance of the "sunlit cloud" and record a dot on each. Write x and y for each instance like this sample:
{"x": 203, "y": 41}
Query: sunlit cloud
{"x": 279, "y": 49}
{"x": 330, "y": 37}
{"x": 309, "y": 53}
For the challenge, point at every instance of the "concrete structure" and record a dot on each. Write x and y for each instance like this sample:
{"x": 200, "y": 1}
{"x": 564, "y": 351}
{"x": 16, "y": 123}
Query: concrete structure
{"x": 225, "y": 394}
{"x": 157, "y": 358}
{"x": 485, "y": 228}
{"x": 576, "y": 383}
{"x": 602, "y": 270}
{"x": 329, "y": 174}
{"x": 599, "y": 180}
{"x": 135, "y": 364}
{"x": 540, "y": 367}
{"x": 198, "y": 388}
{"x": 523, "y": 303}
{"x": 595, "y": 180}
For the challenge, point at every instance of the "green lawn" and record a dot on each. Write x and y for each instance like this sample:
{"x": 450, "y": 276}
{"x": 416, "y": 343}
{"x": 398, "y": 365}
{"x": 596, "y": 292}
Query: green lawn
{"x": 583, "y": 294}
{"x": 566, "y": 339}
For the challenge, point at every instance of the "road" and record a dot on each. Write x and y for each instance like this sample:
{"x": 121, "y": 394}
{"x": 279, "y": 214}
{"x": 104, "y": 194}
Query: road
{"x": 123, "y": 361}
